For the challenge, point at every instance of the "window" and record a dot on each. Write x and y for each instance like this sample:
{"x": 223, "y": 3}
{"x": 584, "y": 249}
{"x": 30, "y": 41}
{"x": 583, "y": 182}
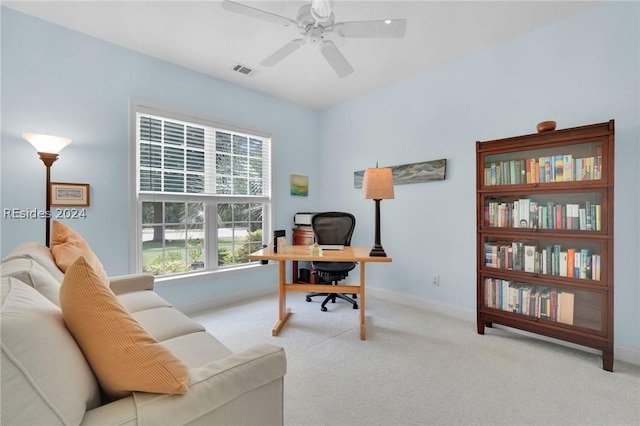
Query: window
{"x": 203, "y": 192}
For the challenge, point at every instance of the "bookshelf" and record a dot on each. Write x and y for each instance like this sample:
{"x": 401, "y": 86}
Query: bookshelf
{"x": 545, "y": 235}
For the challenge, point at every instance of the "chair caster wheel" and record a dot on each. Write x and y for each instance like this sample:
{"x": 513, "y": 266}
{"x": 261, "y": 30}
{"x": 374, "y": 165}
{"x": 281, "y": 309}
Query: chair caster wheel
{"x": 308, "y": 299}
{"x": 354, "y": 296}
{"x": 355, "y": 306}
{"x": 323, "y": 309}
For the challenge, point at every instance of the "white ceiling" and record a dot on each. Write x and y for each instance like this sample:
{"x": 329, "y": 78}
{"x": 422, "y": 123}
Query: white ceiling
{"x": 202, "y": 36}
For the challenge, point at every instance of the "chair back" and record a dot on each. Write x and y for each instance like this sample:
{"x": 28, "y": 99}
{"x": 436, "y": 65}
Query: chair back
{"x": 333, "y": 227}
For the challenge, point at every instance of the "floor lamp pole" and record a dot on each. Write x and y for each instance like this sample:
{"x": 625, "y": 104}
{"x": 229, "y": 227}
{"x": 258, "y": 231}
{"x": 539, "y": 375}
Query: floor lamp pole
{"x": 377, "y": 249}
{"x": 48, "y": 160}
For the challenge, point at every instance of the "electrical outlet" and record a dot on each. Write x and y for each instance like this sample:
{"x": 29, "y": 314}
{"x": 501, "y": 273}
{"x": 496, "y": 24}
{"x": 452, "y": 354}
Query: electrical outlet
{"x": 436, "y": 281}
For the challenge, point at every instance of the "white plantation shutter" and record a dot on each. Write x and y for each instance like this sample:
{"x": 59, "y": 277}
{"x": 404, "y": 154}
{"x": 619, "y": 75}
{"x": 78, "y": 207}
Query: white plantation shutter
{"x": 188, "y": 158}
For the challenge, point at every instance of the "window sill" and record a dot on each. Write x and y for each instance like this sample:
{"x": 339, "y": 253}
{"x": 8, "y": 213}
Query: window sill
{"x": 199, "y": 276}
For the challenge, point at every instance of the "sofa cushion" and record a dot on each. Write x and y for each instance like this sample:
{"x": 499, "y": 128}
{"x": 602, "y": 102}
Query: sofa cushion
{"x": 67, "y": 245}
{"x": 197, "y": 349}
{"x": 31, "y": 273}
{"x": 40, "y": 254}
{"x": 166, "y": 323}
{"x": 123, "y": 355}
{"x": 45, "y": 377}
{"x": 136, "y": 301}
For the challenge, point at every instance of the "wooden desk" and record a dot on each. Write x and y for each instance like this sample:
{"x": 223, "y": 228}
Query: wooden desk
{"x": 301, "y": 253}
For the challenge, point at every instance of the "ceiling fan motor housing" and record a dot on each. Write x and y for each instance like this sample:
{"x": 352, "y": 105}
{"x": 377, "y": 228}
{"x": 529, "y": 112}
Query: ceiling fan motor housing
{"x": 310, "y": 27}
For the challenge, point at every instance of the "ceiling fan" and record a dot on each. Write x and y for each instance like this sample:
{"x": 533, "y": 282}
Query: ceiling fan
{"x": 314, "y": 21}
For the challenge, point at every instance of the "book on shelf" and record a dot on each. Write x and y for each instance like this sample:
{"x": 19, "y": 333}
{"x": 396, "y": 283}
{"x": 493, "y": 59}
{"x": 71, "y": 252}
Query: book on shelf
{"x": 529, "y": 258}
{"x": 595, "y": 267}
{"x": 584, "y": 256}
{"x": 563, "y": 264}
{"x": 571, "y": 258}
{"x": 566, "y": 307}
{"x": 559, "y": 168}
{"x": 567, "y": 173}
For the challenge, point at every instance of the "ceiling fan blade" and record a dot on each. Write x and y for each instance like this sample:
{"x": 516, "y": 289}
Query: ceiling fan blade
{"x": 388, "y": 28}
{"x": 283, "y": 52}
{"x": 336, "y": 59}
{"x": 257, "y": 13}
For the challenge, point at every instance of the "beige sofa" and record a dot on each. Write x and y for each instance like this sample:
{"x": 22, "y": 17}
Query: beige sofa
{"x": 46, "y": 379}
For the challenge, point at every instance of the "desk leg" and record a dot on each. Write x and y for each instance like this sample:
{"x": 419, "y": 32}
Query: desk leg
{"x": 283, "y": 311}
{"x": 363, "y": 332}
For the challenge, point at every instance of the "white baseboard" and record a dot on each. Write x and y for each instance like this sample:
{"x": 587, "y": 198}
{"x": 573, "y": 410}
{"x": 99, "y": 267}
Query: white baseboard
{"x": 620, "y": 353}
{"x": 420, "y": 302}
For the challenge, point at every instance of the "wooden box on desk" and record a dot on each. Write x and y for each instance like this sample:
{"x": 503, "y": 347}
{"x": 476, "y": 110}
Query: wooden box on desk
{"x": 303, "y": 236}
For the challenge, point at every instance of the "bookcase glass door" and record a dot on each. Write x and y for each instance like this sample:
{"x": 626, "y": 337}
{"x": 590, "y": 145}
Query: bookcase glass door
{"x": 560, "y": 259}
{"x": 580, "y": 210}
{"x": 569, "y": 163}
{"x": 560, "y": 305}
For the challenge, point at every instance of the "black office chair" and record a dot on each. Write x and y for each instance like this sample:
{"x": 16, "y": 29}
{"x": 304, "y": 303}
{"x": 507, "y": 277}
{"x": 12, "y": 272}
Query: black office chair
{"x": 333, "y": 228}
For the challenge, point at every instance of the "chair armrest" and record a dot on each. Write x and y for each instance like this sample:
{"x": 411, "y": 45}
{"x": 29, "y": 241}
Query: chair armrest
{"x": 214, "y": 385}
{"x": 132, "y": 282}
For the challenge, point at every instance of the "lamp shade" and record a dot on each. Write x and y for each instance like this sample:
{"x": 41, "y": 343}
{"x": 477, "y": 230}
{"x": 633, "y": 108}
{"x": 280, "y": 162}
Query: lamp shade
{"x": 378, "y": 184}
{"x": 45, "y": 143}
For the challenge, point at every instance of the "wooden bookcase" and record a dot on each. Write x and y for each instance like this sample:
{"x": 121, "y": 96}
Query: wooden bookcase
{"x": 545, "y": 235}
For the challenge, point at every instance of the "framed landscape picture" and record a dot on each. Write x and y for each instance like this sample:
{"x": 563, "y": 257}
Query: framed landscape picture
{"x": 425, "y": 171}
{"x": 299, "y": 185}
{"x": 69, "y": 194}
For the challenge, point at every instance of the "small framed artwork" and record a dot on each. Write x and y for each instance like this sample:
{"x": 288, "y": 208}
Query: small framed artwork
{"x": 300, "y": 185}
{"x": 69, "y": 194}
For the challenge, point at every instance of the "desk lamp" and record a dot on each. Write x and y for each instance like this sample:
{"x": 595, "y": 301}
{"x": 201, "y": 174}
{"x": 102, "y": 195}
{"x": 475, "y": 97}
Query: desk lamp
{"x": 378, "y": 185}
{"x": 48, "y": 148}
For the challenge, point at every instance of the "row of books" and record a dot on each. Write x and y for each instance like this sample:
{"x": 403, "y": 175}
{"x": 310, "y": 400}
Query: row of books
{"x": 532, "y": 300}
{"x": 551, "y": 260}
{"x": 558, "y": 168}
{"x": 525, "y": 213}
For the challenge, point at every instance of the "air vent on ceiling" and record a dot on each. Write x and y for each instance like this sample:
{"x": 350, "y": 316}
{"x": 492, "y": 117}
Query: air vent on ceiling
{"x": 243, "y": 69}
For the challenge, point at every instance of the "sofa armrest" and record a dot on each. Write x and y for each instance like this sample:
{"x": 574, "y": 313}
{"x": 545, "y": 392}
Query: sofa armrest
{"x": 250, "y": 381}
{"x": 132, "y": 282}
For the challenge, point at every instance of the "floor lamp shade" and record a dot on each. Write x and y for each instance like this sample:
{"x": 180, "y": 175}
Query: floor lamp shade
{"x": 45, "y": 143}
{"x": 48, "y": 148}
{"x": 378, "y": 185}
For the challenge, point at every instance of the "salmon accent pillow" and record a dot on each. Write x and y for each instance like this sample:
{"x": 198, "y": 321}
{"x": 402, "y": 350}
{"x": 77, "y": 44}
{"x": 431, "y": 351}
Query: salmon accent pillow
{"x": 67, "y": 245}
{"x": 123, "y": 356}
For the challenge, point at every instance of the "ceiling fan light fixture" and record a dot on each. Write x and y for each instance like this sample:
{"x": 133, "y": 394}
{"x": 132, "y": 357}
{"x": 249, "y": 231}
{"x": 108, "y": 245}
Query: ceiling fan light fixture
{"x": 321, "y": 10}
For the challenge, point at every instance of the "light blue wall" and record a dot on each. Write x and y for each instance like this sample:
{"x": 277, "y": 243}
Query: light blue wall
{"x": 579, "y": 71}
{"x": 60, "y": 82}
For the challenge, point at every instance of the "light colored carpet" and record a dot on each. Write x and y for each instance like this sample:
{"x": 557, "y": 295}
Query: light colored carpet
{"x": 422, "y": 368}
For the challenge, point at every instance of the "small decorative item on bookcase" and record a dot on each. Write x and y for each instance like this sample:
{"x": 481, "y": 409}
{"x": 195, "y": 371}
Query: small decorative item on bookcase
{"x": 546, "y": 126}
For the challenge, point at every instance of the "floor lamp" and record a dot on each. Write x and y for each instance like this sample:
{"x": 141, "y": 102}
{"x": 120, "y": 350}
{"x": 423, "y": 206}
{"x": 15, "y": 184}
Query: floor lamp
{"x": 48, "y": 148}
{"x": 378, "y": 185}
